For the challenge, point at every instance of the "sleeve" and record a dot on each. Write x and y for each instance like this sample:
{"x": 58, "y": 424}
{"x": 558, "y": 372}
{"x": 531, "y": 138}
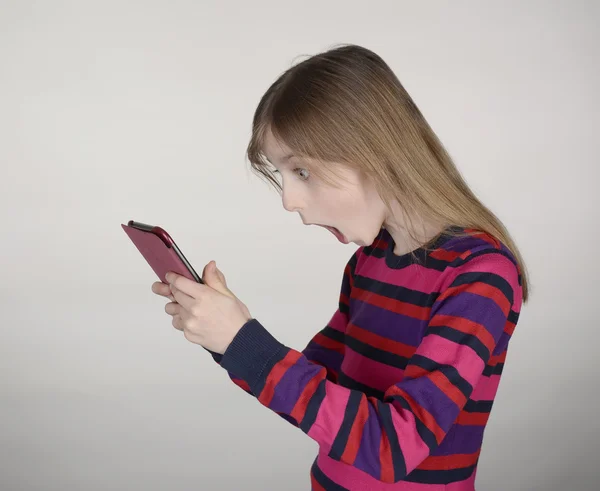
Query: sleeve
{"x": 326, "y": 348}
{"x": 389, "y": 438}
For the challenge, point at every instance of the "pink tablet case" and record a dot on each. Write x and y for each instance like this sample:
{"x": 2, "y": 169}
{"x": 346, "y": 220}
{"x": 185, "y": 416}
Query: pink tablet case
{"x": 161, "y": 258}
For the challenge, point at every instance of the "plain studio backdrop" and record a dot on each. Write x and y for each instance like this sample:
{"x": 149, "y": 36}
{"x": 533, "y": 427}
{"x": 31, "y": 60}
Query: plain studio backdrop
{"x": 112, "y": 110}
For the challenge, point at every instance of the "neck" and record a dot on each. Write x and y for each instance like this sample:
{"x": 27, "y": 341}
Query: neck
{"x": 404, "y": 240}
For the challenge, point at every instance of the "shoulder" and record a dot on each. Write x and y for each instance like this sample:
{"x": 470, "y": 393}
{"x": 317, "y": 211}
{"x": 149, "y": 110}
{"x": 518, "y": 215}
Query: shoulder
{"x": 475, "y": 257}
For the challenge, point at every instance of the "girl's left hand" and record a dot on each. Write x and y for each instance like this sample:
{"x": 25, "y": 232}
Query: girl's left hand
{"x": 209, "y": 315}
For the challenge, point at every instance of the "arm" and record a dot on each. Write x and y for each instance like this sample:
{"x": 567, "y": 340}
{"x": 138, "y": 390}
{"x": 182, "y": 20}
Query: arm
{"x": 389, "y": 437}
{"x": 326, "y": 348}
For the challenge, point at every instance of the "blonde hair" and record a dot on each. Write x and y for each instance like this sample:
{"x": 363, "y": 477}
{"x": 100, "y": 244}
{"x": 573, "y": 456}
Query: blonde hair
{"x": 346, "y": 106}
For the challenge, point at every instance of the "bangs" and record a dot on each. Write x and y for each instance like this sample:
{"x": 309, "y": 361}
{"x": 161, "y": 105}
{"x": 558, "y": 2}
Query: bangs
{"x": 308, "y": 136}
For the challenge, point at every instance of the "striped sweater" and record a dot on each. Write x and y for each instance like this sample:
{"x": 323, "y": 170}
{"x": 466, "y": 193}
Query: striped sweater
{"x": 398, "y": 387}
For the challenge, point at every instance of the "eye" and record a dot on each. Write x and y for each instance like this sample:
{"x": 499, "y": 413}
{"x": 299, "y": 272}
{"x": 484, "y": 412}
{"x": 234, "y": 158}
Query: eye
{"x": 306, "y": 173}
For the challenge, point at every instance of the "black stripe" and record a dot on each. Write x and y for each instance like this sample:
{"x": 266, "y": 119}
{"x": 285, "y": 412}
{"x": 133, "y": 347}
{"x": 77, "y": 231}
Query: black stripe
{"x": 448, "y": 370}
{"x": 421, "y": 258}
{"x": 396, "y": 292}
{"x": 347, "y": 279}
{"x": 348, "y": 382}
{"x": 344, "y": 308}
{"x": 463, "y": 339}
{"x": 334, "y": 334}
{"x": 478, "y": 406}
{"x": 513, "y": 316}
{"x": 258, "y": 387}
{"x": 491, "y": 279}
{"x": 387, "y": 425}
{"x": 425, "y": 433}
{"x": 375, "y": 353}
{"x": 312, "y": 409}
{"x": 353, "y": 261}
{"x": 341, "y": 439}
{"x": 496, "y": 369}
{"x": 288, "y": 418}
{"x": 440, "y": 477}
{"x": 429, "y": 262}
{"x": 323, "y": 480}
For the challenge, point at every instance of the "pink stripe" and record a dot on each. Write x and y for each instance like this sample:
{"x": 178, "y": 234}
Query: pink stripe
{"x": 370, "y": 372}
{"x": 446, "y": 352}
{"x": 423, "y": 279}
{"x": 413, "y": 448}
{"x": 338, "y": 321}
{"x": 496, "y": 264}
{"x": 486, "y": 389}
{"x": 330, "y": 416}
{"x": 353, "y": 478}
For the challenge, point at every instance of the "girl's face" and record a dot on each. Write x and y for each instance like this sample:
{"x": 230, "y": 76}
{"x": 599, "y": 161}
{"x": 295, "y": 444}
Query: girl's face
{"x": 353, "y": 213}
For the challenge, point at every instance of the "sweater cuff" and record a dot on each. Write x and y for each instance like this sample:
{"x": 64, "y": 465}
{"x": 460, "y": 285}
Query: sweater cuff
{"x": 216, "y": 356}
{"x": 251, "y": 352}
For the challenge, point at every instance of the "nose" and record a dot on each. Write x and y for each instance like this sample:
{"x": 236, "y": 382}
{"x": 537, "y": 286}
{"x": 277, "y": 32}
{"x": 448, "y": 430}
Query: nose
{"x": 290, "y": 201}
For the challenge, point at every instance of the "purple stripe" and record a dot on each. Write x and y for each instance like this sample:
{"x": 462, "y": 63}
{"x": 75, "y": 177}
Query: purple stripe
{"x": 461, "y": 439}
{"x": 294, "y": 380}
{"x": 367, "y": 458}
{"x": 397, "y": 327}
{"x": 462, "y": 244}
{"x": 430, "y": 397}
{"x": 476, "y": 308}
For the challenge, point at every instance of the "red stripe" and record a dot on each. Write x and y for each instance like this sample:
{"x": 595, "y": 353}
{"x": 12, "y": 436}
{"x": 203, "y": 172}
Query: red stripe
{"x": 448, "y": 388}
{"x": 444, "y": 255}
{"x": 509, "y": 328}
{"x": 472, "y": 419}
{"x": 275, "y": 375}
{"x": 483, "y": 236}
{"x": 482, "y": 289}
{"x": 308, "y": 391}
{"x": 380, "y": 342}
{"x": 241, "y": 383}
{"x": 445, "y": 462}
{"x": 315, "y": 484}
{"x": 329, "y": 343}
{"x": 420, "y": 412}
{"x": 501, "y": 358}
{"x": 344, "y": 298}
{"x": 385, "y": 457}
{"x": 391, "y": 304}
{"x": 467, "y": 326}
{"x": 441, "y": 382}
{"x": 348, "y": 275}
{"x": 353, "y": 443}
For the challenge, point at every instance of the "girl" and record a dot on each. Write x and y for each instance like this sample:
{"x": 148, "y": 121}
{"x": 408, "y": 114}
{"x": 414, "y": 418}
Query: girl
{"x": 398, "y": 387}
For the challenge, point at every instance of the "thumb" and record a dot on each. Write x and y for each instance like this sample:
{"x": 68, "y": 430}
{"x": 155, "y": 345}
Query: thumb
{"x": 213, "y": 277}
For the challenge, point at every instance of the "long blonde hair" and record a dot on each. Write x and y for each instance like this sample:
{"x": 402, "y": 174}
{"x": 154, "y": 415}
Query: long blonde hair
{"x": 347, "y": 106}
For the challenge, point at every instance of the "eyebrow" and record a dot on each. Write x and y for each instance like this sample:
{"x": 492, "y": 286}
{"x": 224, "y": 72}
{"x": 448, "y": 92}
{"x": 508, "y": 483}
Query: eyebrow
{"x": 284, "y": 159}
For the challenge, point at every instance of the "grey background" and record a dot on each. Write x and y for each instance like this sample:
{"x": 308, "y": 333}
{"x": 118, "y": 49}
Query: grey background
{"x": 113, "y": 110}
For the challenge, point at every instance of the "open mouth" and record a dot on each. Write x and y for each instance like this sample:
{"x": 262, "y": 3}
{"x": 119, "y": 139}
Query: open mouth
{"x": 340, "y": 236}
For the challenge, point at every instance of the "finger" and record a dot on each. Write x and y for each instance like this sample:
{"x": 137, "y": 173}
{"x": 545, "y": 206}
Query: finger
{"x": 160, "y": 288}
{"x": 204, "y": 272}
{"x": 173, "y": 308}
{"x": 183, "y": 299}
{"x": 187, "y": 286}
{"x": 176, "y": 323}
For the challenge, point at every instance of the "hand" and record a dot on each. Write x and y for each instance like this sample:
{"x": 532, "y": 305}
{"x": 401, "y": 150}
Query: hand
{"x": 209, "y": 315}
